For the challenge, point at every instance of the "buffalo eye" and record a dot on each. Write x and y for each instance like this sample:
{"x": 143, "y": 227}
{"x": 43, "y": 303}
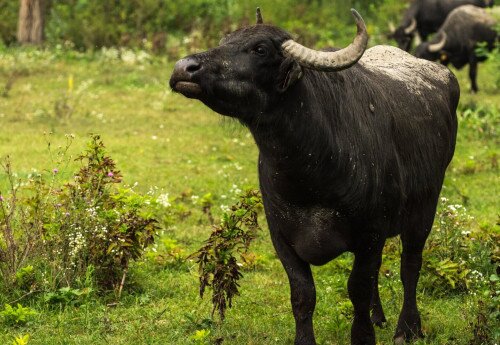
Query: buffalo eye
{"x": 260, "y": 50}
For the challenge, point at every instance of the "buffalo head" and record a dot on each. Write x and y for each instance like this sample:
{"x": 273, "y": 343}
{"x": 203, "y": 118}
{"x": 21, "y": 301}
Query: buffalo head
{"x": 404, "y": 34}
{"x": 433, "y": 50}
{"x": 252, "y": 67}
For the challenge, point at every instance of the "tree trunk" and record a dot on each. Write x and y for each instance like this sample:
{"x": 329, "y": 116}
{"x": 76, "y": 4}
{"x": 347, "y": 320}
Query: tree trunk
{"x": 31, "y": 22}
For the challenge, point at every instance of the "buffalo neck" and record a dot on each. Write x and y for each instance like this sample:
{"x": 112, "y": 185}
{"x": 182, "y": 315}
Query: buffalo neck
{"x": 298, "y": 141}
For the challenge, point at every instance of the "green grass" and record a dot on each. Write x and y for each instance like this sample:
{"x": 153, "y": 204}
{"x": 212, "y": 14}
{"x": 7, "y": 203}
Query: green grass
{"x": 160, "y": 139}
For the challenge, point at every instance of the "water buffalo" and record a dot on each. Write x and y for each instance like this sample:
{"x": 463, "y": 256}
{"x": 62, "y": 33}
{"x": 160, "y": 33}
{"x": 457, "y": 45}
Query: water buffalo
{"x": 426, "y": 16}
{"x": 458, "y": 38}
{"x": 353, "y": 147}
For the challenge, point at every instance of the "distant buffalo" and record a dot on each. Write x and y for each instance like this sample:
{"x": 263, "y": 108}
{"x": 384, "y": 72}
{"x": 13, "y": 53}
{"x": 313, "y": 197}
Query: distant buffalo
{"x": 353, "y": 148}
{"x": 457, "y": 40}
{"x": 426, "y": 17}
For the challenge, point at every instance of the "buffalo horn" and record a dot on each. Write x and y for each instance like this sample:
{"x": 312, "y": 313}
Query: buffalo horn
{"x": 410, "y": 28}
{"x": 258, "y": 14}
{"x": 434, "y": 48}
{"x": 330, "y": 61}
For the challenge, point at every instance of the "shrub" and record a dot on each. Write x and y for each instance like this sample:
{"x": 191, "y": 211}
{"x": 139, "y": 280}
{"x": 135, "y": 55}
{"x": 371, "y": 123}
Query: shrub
{"x": 458, "y": 256}
{"x": 16, "y": 316}
{"x": 79, "y": 233}
{"x": 219, "y": 269}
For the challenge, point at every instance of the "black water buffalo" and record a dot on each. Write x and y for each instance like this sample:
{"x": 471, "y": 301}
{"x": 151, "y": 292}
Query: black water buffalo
{"x": 426, "y": 17}
{"x": 457, "y": 40}
{"x": 353, "y": 150}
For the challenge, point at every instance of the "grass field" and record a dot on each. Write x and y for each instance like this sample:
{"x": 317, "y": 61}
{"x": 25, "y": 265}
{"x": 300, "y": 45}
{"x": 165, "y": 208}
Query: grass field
{"x": 160, "y": 139}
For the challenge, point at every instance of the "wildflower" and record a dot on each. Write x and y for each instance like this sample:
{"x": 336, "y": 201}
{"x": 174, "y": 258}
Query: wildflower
{"x": 55, "y": 171}
{"x": 163, "y": 200}
{"x": 110, "y": 174}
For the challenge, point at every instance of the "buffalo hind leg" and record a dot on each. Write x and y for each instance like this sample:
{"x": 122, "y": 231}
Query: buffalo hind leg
{"x": 413, "y": 239}
{"x": 361, "y": 287}
{"x": 473, "y": 73}
{"x": 378, "y": 316}
{"x": 303, "y": 292}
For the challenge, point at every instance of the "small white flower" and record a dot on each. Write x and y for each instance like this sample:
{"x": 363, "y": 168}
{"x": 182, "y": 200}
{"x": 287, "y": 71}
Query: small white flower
{"x": 163, "y": 200}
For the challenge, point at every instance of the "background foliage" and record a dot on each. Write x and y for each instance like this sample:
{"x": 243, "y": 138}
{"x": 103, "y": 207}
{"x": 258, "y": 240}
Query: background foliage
{"x": 173, "y": 24}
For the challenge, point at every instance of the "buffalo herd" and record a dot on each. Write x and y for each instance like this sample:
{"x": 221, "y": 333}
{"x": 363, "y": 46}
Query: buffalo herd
{"x": 353, "y": 145}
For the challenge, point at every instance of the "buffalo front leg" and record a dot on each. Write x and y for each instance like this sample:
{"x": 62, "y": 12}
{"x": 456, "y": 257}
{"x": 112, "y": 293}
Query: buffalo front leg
{"x": 409, "y": 324}
{"x": 377, "y": 317}
{"x": 303, "y": 292}
{"x": 361, "y": 287}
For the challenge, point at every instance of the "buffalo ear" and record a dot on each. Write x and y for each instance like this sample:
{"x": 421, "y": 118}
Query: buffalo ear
{"x": 289, "y": 73}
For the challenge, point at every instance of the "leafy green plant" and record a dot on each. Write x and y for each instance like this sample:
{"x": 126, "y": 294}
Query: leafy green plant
{"x": 25, "y": 277}
{"x": 458, "y": 255}
{"x": 483, "y": 120}
{"x": 17, "y": 315}
{"x": 21, "y": 340}
{"x": 67, "y": 296}
{"x": 218, "y": 266}
{"x": 200, "y": 337}
{"x": 87, "y": 229}
{"x": 96, "y": 224}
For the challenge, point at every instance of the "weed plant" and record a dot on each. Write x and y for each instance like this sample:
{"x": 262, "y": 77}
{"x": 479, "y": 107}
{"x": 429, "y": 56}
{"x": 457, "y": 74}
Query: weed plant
{"x": 219, "y": 268}
{"x": 79, "y": 233}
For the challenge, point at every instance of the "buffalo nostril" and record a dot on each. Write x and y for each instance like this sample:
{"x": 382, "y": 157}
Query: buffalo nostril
{"x": 193, "y": 67}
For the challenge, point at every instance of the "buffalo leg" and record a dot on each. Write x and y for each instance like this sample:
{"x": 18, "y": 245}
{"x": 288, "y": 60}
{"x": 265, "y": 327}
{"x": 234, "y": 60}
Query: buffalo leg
{"x": 413, "y": 239}
{"x": 473, "y": 73}
{"x": 303, "y": 292}
{"x": 361, "y": 286}
{"x": 378, "y": 317}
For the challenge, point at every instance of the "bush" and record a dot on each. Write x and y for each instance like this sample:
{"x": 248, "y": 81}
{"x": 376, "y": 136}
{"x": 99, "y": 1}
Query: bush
{"x": 16, "y": 316}
{"x": 219, "y": 268}
{"x": 459, "y": 257}
{"x": 80, "y": 233}
{"x": 8, "y": 21}
{"x": 178, "y": 27}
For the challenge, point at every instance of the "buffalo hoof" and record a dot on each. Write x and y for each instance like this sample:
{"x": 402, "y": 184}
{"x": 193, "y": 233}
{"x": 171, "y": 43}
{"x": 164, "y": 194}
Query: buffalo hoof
{"x": 363, "y": 342}
{"x": 379, "y": 320}
{"x": 405, "y": 337}
{"x": 399, "y": 340}
{"x": 305, "y": 341}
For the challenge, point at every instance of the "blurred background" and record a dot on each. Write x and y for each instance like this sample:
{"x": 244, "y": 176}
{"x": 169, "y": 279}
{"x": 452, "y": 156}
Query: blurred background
{"x": 175, "y": 27}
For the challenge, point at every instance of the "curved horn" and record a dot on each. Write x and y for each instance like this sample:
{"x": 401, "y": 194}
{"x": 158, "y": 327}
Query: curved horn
{"x": 410, "y": 28}
{"x": 434, "y": 48}
{"x": 258, "y": 15}
{"x": 330, "y": 61}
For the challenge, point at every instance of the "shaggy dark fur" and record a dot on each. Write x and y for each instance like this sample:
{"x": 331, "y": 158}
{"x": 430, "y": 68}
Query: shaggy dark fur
{"x": 347, "y": 159}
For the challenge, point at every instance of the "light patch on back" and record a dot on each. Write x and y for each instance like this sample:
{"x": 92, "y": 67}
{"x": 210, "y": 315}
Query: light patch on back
{"x": 418, "y": 75}
{"x": 471, "y": 12}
